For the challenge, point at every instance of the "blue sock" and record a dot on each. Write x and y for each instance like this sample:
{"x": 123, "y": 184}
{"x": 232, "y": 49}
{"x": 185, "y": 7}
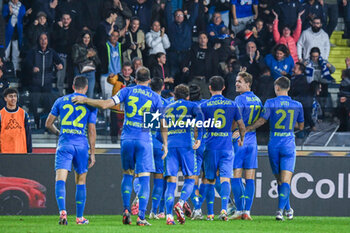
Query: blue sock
{"x": 218, "y": 186}
{"x": 202, "y": 195}
{"x": 162, "y": 201}
{"x": 60, "y": 190}
{"x": 288, "y": 202}
{"x": 210, "y": 198}
{"x": 283, "y": 195}
{"x": 169, "y": 197}
{"x": 287, "y": 207}
{"x": 80, "y": 198}
{"x": 143, "y": 195}
{"x": 187, "y": 189}
{"x": 194, "y": 197}
{"x": 157, "y": 194}
{"x": 249, "y": 193}
{"x": 238, "y": 192}
{"x": 136, "y": 186}
{"x": 225, "y": 194}
{"x": 126, "y": 190}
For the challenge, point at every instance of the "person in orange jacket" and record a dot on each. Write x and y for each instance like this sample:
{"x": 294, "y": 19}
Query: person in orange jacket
{"x": 119, "y": 81}
{"x": 287, "y": 38}
{"x": 15, "y": 135}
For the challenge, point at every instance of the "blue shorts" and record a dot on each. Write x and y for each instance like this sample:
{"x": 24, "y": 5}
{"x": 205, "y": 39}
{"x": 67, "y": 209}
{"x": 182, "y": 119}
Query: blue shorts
{"x": 245, "y": 156}
{"x": 282, "y": 157}
{"x": 159, "y": 162}
{"x": 183, "y": 157}
{"x": 215, "y": 160}
{"x": 139, "y": 154}
{"x": 66, "y": 154}
{"x": 199, "y": 158}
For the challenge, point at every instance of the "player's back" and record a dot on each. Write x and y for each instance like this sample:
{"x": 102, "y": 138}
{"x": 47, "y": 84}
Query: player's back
{"x": 74, "y": 119}
{"x": 177, "y": 115}
{"x": 250, "y": 107}
{"x": 218, "y": 108}
{"x": 283, "y": 113}
{"x": 137, "y": 99}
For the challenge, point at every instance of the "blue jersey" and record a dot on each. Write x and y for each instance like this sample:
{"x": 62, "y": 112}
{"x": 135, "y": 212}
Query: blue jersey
{"x": 244, "y": 7}
{"x": 156, "y": 143}
{"x": 283, "y": 113}
{"x": 137, "y": 99}
{"x": 179, "y": 117}
{"x": 218, "y": 108}
{"x": 74, "y": 120}
{"x": 250, "y": 107}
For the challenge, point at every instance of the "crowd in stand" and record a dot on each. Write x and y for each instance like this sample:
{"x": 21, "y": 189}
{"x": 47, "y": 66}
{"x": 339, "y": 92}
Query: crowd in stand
{"x": 48, "y": 42}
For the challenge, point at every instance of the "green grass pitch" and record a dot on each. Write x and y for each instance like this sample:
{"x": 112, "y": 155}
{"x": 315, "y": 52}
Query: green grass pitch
{"x": 112, "y": 223}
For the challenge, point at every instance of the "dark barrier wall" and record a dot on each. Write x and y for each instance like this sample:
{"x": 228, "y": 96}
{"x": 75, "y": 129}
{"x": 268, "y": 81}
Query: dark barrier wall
{"x": 320, "y": 186}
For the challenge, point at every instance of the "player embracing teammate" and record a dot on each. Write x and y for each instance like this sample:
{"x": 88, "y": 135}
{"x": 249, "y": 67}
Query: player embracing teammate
{"x": 283, "y": 113}
{"x": 245, "y": 156}
{"x": 136, "y": 140}
{"x": 220, "y": 155}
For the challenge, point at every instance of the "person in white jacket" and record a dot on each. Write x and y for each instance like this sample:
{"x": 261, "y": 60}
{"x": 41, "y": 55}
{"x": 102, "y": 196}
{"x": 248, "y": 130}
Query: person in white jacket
{"x": 157, "y": 41}
{"x": 314, "y": 36}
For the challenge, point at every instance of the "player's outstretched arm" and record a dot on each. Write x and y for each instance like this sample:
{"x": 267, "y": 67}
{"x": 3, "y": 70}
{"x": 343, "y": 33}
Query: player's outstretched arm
{"x": 104, "y": 104}
{"x": 49, "y": 124}
{"x": 257, "y": 124}
{"x": 92, "y": 142}
{"x": 164, "y": 133}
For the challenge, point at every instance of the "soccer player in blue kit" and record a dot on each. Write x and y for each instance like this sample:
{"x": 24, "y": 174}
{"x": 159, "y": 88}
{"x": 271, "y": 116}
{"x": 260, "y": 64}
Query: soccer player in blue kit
{"x": 181, "y": 150}
{"x": 136, "y": 140}
{"x": 245, "y": 156}
{"x": 157, "y": 85}
{"x": 218, "y": 153}
{"x": 283, "y": 113}
{"x": 73, "y": 146}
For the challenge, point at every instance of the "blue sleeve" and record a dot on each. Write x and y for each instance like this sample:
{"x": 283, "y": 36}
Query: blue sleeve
{"x": 237, "y": 112}
{"x": 93, "y": 116}
{"x": 234, "y": 2}
{"x": 268, "y": 60}
{"x": 255, "y": 2}
{"x": 121, "y": 95}
{"x": 55, "y": 110}
{"x": 238, "y": 101}
{"x": 22, "y": 12}
{"x": 301, "y": 114}
{"x": 210, "y": 29}
{"x": 5, "y": 11}
{"x": 199, "y": 117}
{"x": 291, "y": 62}
{"x": 266, "y": 112}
